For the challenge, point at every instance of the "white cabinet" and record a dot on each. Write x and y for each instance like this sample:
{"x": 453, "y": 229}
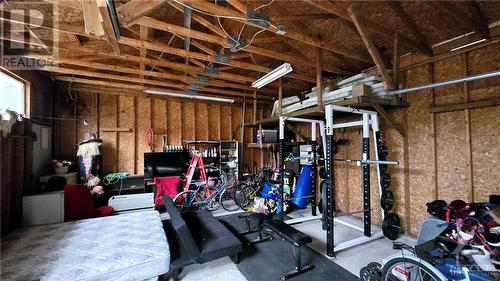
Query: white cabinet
{"x": 45, "y": 208}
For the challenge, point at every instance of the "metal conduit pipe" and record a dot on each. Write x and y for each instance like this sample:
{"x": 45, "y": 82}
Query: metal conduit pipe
{"x": 486, "y": 75}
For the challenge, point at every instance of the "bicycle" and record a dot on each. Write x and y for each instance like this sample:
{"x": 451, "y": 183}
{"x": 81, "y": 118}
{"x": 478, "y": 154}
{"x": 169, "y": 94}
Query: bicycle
{"x": 211, "y": 199}
{"x": 247, "y": 190}
{"x": 434, "y": 258}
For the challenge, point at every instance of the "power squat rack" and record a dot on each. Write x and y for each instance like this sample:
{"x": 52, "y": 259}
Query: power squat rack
{"x": 369, "y": 120}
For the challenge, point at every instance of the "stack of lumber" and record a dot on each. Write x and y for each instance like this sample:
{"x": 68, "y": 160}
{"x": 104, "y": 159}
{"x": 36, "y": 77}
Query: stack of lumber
{"x": 344, "y": 91}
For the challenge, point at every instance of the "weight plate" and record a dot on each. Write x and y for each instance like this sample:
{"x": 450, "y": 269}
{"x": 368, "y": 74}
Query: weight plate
{"x": 384, "y": 151}
{"x": 385, "y": 181}
{"x": 368, "y": 274}
{"x": 391, "y": 226}
{"x": 375, "y": 267}
{"x": 387, "y": 200}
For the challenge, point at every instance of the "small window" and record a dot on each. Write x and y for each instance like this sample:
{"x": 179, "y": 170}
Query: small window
{"x": 12, "y": 93}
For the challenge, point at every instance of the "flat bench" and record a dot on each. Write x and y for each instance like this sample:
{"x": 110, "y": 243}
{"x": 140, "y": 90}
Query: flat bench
{"x": 297, "y": 238}
{"x": 197, "y": 237}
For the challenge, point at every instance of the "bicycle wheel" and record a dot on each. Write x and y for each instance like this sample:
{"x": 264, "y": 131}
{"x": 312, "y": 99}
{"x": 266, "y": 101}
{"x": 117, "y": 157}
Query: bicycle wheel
{"x": 227, "y": 200}
{"x": 214, "y": 204}
{"x": 188, "y": 199}
{"x": 246, "y": 197}
{"x": 405, "y": 269}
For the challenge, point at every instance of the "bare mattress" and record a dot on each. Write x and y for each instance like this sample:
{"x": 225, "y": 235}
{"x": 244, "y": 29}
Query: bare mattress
{"x": 130, "y": 246}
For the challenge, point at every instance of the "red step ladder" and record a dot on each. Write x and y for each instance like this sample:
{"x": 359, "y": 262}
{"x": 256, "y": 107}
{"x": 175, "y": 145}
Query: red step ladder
{"x": 196, "y": 161}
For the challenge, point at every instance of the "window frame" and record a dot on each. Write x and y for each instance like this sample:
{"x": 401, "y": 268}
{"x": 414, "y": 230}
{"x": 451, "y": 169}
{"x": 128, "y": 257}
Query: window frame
{"x": 27, "y": 90}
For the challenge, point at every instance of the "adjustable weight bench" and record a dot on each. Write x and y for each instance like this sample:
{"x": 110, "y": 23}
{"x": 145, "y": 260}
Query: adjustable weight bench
{"x": 297, "y": 238}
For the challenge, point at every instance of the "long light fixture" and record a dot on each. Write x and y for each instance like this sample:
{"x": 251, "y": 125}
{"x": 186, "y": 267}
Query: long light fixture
{"x": 277, "y": 73}
{"x": 186, "y": 96}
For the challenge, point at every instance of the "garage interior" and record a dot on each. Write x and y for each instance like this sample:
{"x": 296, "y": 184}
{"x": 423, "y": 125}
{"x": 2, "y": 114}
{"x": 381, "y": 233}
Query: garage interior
{"x": 249, "y": 140}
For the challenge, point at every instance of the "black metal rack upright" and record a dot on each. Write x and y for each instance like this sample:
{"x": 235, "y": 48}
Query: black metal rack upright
{"x": 281, "y": 150}
{"x": 369, "y": 120}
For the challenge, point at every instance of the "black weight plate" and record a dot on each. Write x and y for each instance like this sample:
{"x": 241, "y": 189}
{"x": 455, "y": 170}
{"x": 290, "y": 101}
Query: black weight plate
{"x": 391, "y": 226}
{"x": 387, "y": 200}
{"x": 385, "y": 181}
{"x": 384, "y": 151}
{"x": 368, "y": 274}
{"x": 376, "y": 268}
{"x": 322, "y": 205}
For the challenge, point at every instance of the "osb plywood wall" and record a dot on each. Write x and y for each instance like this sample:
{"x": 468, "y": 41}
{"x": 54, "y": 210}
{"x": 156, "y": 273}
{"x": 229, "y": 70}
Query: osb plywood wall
{"x": 123, "y": 122}
{"x": 447, "y": 155}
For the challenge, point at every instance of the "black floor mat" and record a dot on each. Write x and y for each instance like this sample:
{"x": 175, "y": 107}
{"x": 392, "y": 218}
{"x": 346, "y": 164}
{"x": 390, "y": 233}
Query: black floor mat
{"x": 269, "y": 260}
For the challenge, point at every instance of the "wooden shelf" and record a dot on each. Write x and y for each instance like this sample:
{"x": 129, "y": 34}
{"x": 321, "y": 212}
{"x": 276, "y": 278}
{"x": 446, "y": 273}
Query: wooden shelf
{"x": 258, "y": 145}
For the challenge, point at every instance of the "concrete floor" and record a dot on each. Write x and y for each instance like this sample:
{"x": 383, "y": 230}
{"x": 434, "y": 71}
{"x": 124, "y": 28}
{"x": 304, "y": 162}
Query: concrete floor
{"x": 354, "y": 258}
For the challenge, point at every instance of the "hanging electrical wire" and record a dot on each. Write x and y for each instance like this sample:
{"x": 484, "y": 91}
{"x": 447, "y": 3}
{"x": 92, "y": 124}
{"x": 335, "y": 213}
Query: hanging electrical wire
{"x": 264, "y": 5}
{"x": 226, "y": 17}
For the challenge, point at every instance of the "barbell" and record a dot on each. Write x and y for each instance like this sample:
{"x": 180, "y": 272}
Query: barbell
{"x": 368, "y": 162}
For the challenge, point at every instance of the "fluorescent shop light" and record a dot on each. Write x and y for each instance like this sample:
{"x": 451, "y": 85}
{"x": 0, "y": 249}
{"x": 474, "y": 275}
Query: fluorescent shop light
{"x": 279, "y": 72}
{"x": 186, "y": 96}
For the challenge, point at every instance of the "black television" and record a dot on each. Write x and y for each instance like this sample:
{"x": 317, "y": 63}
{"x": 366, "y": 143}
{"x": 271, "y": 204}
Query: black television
{"x": 164, "y": 164}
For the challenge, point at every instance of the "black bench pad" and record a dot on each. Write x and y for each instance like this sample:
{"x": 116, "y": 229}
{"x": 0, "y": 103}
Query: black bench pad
{"x": 289, "y": 233}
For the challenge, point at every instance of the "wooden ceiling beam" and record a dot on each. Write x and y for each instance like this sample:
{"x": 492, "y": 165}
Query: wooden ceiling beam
{"x": 238, "y": 5}
{"x": 224, "y": 11}
{"x": 408, "y": 22}
{"x": 202, "y": 57}
{"x": 124, "y": 78}
{"x": 220, "y": 93}
{"x": 478, "y": 19}
{"x": 91, "y": 18}
{"x": 128, "y": 70}
{"x": 477, "y": 22}
{"x": 372, "y": 49}
{"x": 268, "y": 39}
{"x": 107, "y": 26}
{"x": 143, "y": 34}
{"x": 156, "y": 24}
{"x": 117, "y": 91}
{"x": 336, "y": 9}
{"x": 135, "y": 9}
{"x": 304, "y": 17}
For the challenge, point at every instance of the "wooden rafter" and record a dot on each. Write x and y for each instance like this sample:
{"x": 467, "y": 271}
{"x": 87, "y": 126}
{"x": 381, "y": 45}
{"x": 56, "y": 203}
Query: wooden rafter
{"x": 305, "y": 17}
{"x": 107, "y": 26}
{"x": 408, "y": 21}
{"x": 372, "y": 49}
{"x": 91, "y": 17}
{"x": 295, "y": 35}
{"x": 372, "y": 26}
{"x": 202, "y": 57}
{"x": 158, "y": 84}
{"x": 143, "y": 33}
{"x": 268, "y": 39}
{"x": 156, "y": 24}
{"x": 134, "y": 9}
{"x": 117, "y": 90}
{"x": 128, "y": 70}
{"x": 477, "y": 21}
